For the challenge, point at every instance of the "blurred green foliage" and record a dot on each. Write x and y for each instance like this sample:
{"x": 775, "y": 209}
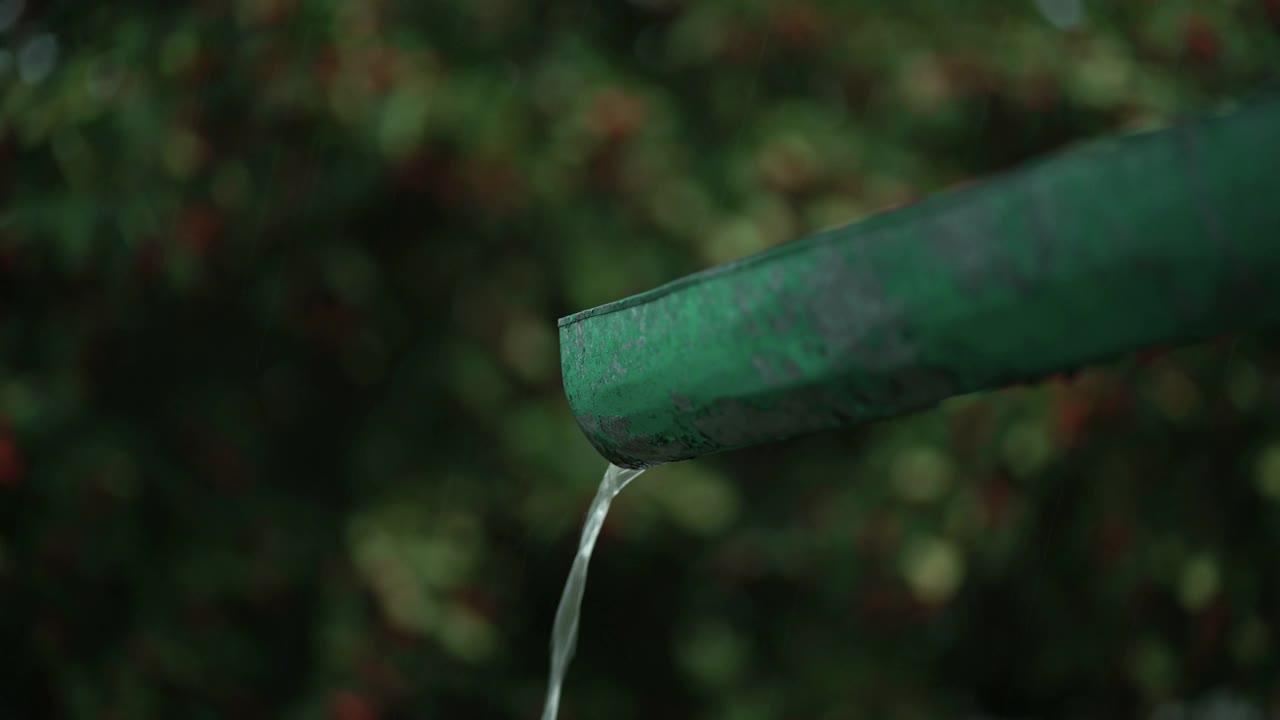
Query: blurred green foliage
{"x": 281, "y": 430}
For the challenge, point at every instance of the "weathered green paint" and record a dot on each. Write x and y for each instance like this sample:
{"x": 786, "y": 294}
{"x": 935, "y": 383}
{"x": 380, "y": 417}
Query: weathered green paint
{"x": 1142, "y": 240}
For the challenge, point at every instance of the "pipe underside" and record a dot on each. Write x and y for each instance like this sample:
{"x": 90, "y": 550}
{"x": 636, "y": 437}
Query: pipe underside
{"x": 1153, "y": 239}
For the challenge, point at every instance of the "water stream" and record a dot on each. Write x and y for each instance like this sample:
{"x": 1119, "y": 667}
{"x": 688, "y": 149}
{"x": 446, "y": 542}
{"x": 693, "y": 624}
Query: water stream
{"x": 564, "y": 633}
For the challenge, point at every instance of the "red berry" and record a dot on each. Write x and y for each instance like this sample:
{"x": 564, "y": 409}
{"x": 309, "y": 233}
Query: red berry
{"x": 10, "y": 462}
{"x": 1201, "y": 39}
{"x": 1273, "y": 11}
{"x": 200, "y": 227}
{"x": 348, "y": 705}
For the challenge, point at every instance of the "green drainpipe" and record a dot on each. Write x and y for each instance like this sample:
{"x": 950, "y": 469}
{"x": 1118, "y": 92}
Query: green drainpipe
{"x": 1152, "y": 239}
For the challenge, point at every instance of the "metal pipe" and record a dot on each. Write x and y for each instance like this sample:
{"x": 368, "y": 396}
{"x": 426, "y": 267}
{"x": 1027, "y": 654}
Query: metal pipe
{"x": 1133, "y": 241}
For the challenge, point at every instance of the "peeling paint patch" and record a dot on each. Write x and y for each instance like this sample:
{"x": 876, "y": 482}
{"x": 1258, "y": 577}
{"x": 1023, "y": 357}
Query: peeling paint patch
{"x": 765, "y": 370}
{"x": 851, "y": 313}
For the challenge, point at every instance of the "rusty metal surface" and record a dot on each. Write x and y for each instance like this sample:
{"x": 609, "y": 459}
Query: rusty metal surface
{"x": 1128, "y": 242}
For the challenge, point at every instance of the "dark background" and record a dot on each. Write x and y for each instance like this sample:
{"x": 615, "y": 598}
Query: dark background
{"x": 281, "y": 425}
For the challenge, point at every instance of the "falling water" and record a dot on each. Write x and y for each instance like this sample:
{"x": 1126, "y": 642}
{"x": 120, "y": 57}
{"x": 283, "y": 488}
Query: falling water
{"x": 564, "y": 633}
